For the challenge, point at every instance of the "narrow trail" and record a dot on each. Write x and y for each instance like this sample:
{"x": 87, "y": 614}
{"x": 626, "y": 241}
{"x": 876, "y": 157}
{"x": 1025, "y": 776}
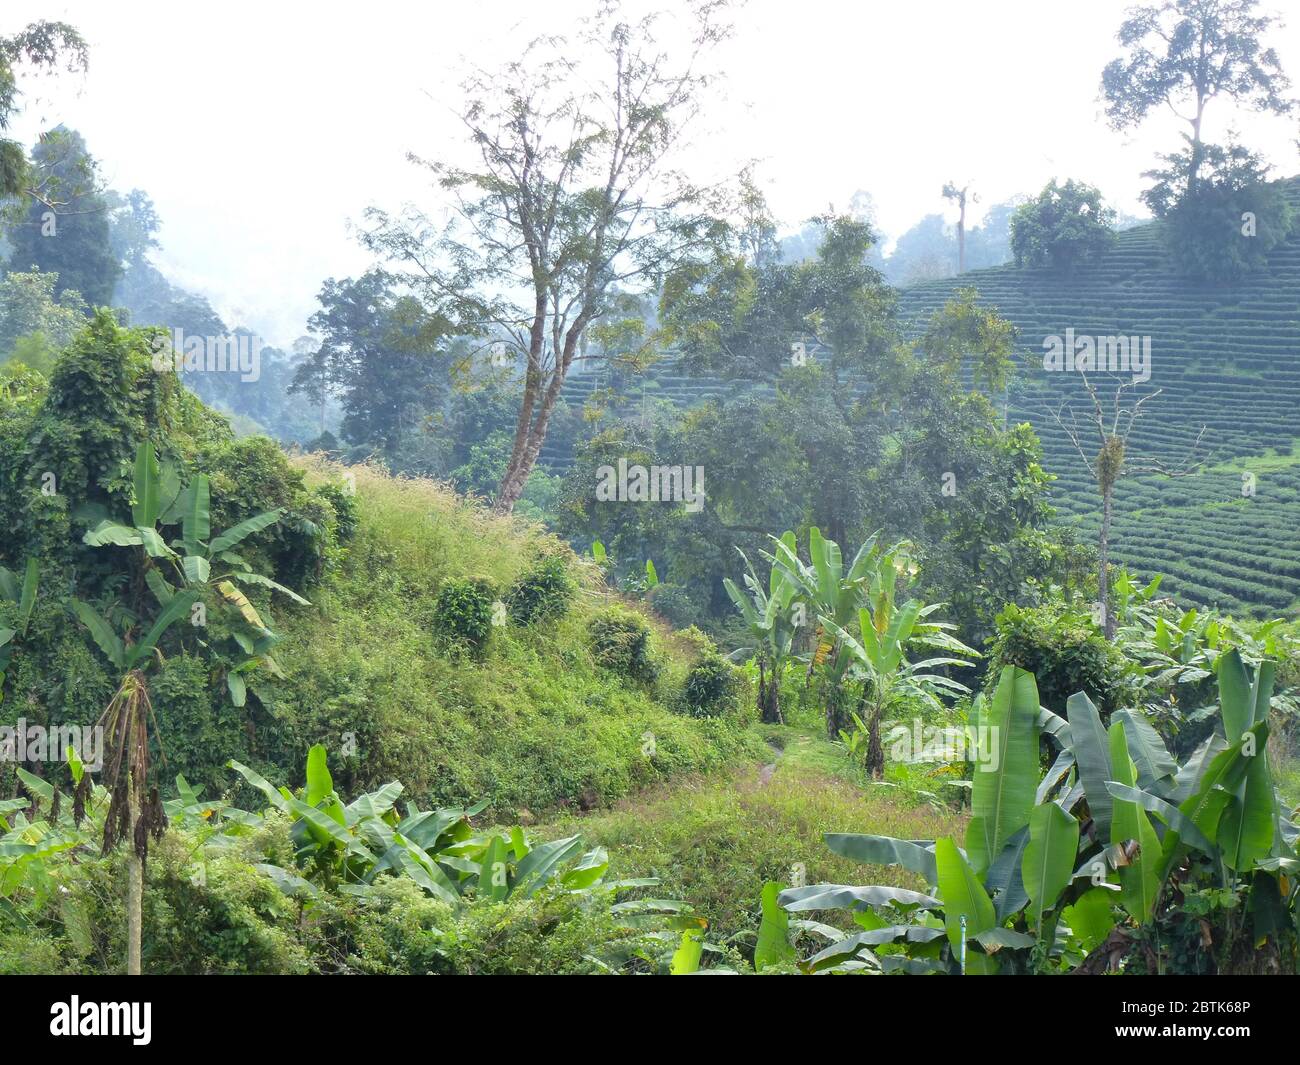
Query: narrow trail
{"x": 765, "y": 773}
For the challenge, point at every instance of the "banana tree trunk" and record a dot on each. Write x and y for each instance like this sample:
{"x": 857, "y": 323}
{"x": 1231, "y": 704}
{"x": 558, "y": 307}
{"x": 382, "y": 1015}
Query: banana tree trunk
{"x": 134, "y": 889}
{"x": 769, "y": 696}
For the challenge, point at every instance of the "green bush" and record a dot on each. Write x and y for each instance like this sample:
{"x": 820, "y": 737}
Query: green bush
{"x": 1063, "y": 226}
{"x": 462, "y": 612}
{"x": 674, "y": 604}
{"x": 542, "y": 593}
{"x": 620, "y": 641}
{"x": 1065, "y": 652}
{"x": 712, "y": 685}
{"x": 1205, "y": 227}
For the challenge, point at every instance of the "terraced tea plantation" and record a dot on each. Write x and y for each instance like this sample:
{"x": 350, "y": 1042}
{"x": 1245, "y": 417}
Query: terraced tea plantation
{"x": 1227, "y": 358}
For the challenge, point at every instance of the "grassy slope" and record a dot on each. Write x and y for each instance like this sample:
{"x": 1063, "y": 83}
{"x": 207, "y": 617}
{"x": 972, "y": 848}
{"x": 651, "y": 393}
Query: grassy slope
{"x": 533, "y": 725}
{"x": 714, "y": 842}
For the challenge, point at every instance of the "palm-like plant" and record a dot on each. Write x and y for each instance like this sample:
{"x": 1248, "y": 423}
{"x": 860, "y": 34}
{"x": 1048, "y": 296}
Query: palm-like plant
{"x": 881, "y": 657}
{"x": 773, "y": 615}
{"x": 835, "y": 594}
{"x": 188, "y": 562}
{"x": 135, "y": 811}
{"x": 878, "y": 655}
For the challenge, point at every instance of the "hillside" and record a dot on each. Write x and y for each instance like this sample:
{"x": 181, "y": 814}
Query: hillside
{"x": 1226, "y": 357}
{"x": 532, "y": 724}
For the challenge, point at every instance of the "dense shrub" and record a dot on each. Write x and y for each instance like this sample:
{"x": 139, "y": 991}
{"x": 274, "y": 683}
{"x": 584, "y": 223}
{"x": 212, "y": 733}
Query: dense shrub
{"x": 1065, "y": 652}
{"x": 542, "y": 593}
{"x": 401, "y": 930}
{"x": 620, "y": 641}
{"x": 675, "y": 605}
{"x": 1063, "y": 226}
{"x": 462, "y": 612}
{"x": 712, "y": 685}
{"x": 1224, "y": 227}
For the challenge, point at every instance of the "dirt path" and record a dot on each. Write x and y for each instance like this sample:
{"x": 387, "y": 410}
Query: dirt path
{"x": 765, "y": 773}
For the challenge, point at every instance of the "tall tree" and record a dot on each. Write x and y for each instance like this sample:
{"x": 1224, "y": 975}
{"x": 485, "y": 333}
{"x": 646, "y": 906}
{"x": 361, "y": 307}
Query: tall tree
{"x": 1182, "y": 54}
{"x": 377, "y": 353}
{"x": 959, "y": 196}
{"x": 41, "y": 45}
{"x": 1103, "y": 446}
{"x": 68, "y": 233}
{"x": 572, "y": 199}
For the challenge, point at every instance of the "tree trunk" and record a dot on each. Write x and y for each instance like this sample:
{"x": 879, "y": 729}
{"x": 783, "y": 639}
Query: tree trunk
{"x": 836, "y": 719}
{"x": 134, "y": 887}
{"x": 875, "y": 750}
{"x": 1103, "y": 570}
{"x": 961, "y": 236}
{"x": 769, "y": 697}
{"x": 530, "y": 430}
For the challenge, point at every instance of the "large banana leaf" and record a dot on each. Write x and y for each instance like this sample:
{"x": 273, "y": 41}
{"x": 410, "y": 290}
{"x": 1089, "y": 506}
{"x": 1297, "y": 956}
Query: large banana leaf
{"x": 1140, "y": 880}
{"x": 109, "y": 642}
{"x": 196, "y": 513}
{"x": 1155, "y": 765}
{"x": 148, "y": 488}
{"x": 844, "y": 896}
{"x": 1002, "y": 792}
{"x": 178, "y": 606}
{"x": 236, "y": 533}
{"x": 964, "y": 896}
{"x": 916, "y": 855}
{"x": 1091, "y": 752}
{"x": 773, "y": 946}
{"x": 493, "y": 881}
{"x": 1048, "y": 863}
{"x": 540, "y": 863}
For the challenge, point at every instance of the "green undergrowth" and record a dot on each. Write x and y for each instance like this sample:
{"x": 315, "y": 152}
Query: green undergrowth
{"x": 530, "y": 724}
{"x": 715, "y": 841}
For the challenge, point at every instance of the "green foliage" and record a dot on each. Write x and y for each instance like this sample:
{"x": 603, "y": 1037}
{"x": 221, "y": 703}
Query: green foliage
{"x": 1064, "y": 226}
{"x": 1065, "y": 652}
{"x": 620, "y": 641}
{"x": 716, "y": 841}
{"x": 1226, "y": 226}
{"x": 541, "y": 593}
{"x": 463, "y": 612}
{"x": 712, "y": 685}
{"x": 1019, "y": 889}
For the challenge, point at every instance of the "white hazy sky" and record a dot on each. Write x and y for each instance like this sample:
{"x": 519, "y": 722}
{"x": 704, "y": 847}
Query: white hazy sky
{"x": 261, "y": 130}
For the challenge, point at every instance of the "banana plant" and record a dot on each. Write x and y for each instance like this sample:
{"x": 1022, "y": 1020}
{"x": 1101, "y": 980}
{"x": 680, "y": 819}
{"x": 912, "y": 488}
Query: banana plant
{"x": 835, "y": 594}
{"x": 349, "y": 846}
{"x": 196, "y": 561}
{"x": 22, "y": 600}
{"x": 880, "y": 657}
{"x": 1056, "y": 865}
{"x": 773, "y": 616}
